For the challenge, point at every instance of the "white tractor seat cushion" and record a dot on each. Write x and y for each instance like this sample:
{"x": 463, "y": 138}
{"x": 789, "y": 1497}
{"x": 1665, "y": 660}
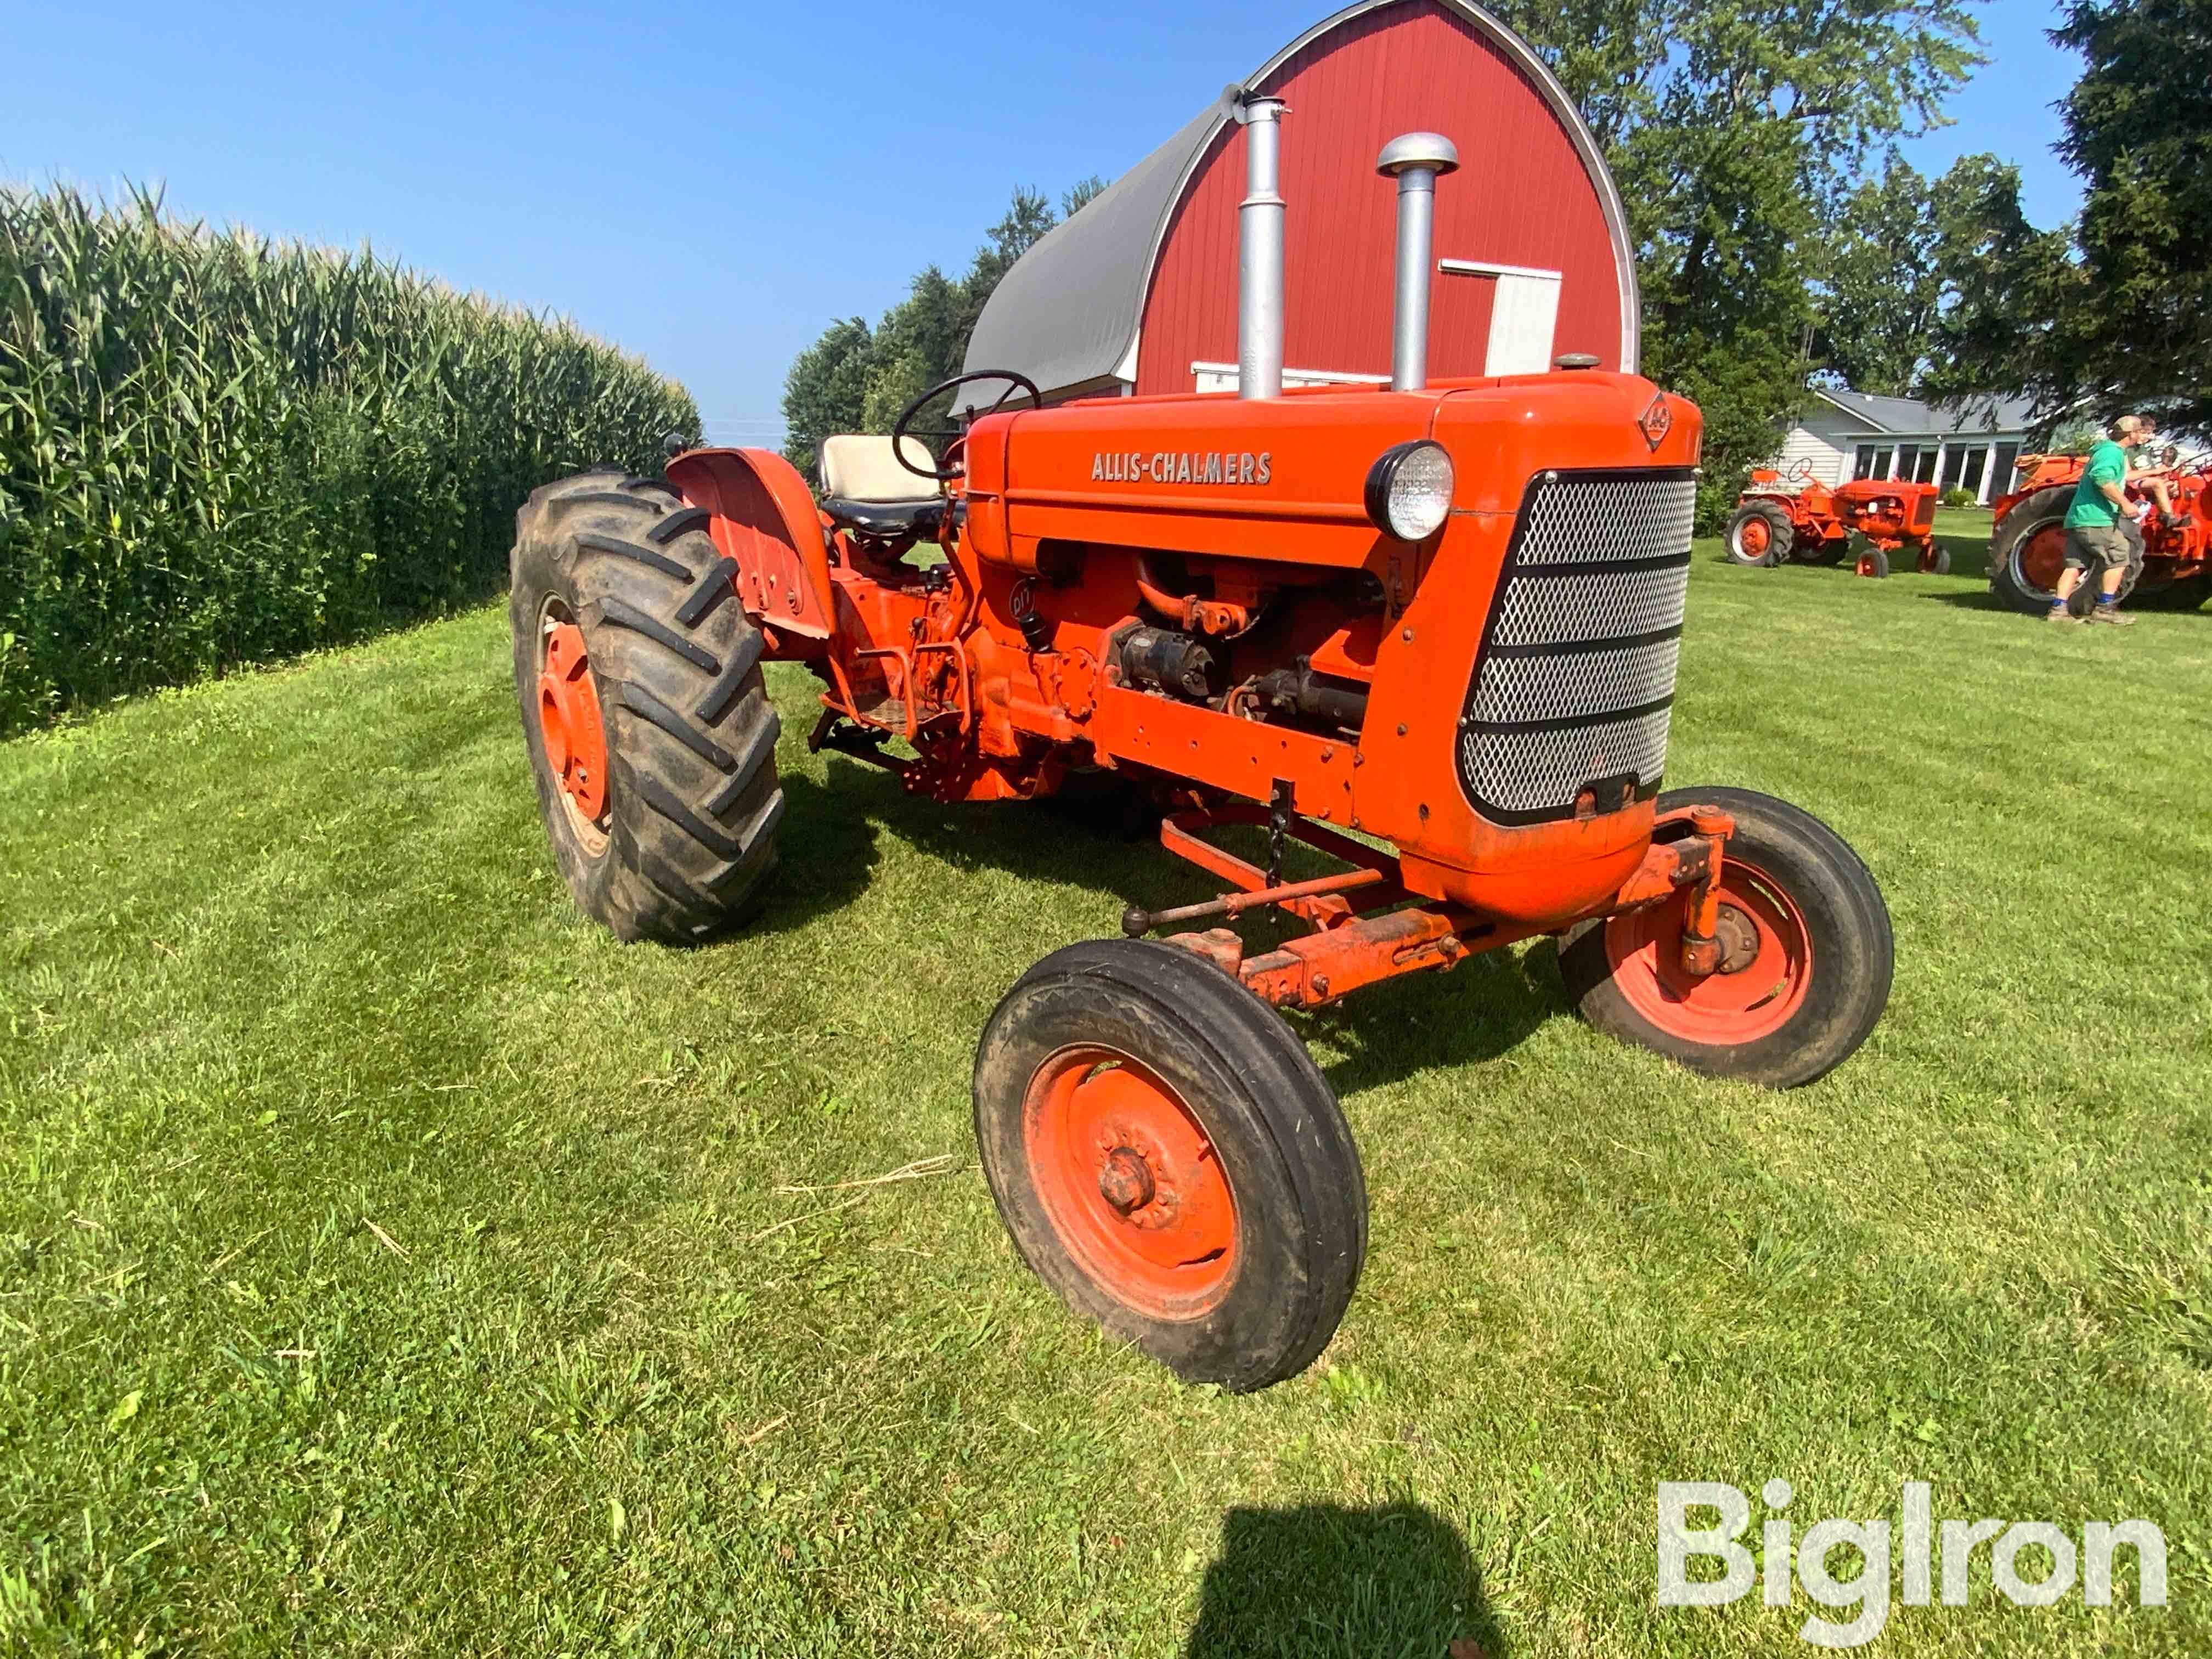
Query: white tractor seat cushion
{"x": 862, "y": 467}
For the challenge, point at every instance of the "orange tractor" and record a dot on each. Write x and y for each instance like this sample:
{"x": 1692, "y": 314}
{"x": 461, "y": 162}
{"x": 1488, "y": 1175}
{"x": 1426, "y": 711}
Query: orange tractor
{"x": 2027, "y": 541}
{"x": 1797, "y": 517}
{"x": 1429, "y": 632}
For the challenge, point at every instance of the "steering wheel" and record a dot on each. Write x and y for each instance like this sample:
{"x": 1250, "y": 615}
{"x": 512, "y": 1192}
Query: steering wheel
{"x": 903, "y": 428}
{"x": 1800, "y": 471}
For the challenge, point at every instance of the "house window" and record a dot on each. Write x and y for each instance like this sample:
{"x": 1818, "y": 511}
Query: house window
{"x": 1873, "y": 461}
{"x": 1925, "y": 472}
{"x": 2003, "y": 469}
{"x": 1907, "y": 458}
{"x": 1978, "y": 458}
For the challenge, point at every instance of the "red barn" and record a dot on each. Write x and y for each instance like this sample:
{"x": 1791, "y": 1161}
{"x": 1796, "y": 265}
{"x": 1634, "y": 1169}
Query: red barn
{"x": 1138, "y": 291}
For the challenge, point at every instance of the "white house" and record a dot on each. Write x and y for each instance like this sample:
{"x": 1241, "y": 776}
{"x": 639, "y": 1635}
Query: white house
{"x": 1855, "y": 435}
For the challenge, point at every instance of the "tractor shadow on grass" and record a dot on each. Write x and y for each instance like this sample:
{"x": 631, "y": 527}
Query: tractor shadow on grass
{"x": 825, "y": 850}
{"x": 1979, "y": 599}
{"x": 1485, "y": 1007}
{"x": 1324, "y": 1578}
{"x": 1478, "y": 1011}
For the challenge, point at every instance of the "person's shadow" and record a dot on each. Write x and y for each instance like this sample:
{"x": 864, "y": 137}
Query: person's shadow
{"x": 1324, "y": 1579}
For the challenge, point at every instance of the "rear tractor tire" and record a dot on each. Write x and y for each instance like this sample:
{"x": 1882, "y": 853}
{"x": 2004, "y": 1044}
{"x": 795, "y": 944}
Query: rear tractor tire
{"x": 1169, "y": 1161}
{"x": 647, "y": 722}
{"x": 1807, "y": 962}
{"x": 2028, "y": 551}
{"x": 1759, "y": 535}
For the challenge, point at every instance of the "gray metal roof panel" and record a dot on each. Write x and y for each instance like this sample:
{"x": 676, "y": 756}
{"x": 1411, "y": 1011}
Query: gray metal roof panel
{"x": 1067, "y": 311}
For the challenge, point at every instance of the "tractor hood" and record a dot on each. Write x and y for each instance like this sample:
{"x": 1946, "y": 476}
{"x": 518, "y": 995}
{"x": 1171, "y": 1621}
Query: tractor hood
{"x": 1284, "y": 479}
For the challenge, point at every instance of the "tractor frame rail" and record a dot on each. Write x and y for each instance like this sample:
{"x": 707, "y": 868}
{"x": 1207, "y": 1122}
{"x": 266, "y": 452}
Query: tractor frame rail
{"x": 1364, "y": 926}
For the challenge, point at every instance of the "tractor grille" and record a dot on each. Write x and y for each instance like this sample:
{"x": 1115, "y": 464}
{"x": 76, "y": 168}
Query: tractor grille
{"x": 1576, "y": 678}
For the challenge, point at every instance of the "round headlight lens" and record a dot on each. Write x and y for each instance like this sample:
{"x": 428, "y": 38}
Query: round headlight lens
{"x": 1409, "y": 490}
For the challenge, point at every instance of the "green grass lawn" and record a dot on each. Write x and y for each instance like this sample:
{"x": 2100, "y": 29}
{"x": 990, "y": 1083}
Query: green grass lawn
{"x": 391, "y": 1262}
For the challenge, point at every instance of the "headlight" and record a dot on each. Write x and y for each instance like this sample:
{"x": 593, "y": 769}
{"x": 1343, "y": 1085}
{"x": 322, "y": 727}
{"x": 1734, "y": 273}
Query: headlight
{"x": 1409, "y": 490}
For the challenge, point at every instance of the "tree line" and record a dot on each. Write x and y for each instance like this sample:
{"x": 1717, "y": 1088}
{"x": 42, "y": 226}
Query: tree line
{"x": 1782, "y": 240}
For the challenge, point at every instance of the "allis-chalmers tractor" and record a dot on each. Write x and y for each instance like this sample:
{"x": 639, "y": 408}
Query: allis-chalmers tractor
{"x": 1430, "y": 631}
{"x": 2027, "y": 540}
{"x": 1798, "y": 517}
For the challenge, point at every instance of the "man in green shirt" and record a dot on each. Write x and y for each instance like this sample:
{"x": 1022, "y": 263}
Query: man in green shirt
{"x": 2094, "y": 536}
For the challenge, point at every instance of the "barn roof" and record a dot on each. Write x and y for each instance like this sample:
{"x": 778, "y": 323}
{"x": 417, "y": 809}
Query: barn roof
{"x": 1066, "y": 314}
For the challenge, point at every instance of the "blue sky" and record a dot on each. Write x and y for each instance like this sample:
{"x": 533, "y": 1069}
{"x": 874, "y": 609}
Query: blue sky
{"x": 707, "y": 185}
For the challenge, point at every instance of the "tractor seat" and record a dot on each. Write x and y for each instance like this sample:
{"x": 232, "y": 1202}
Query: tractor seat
{"x": 866, "y": 488}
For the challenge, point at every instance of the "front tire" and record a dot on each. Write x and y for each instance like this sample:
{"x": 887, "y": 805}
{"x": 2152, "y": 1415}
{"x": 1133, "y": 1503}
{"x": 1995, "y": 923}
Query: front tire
{"x": 649, "y": 725}
{"x": 1169, "y": 1161}
{"x": 1809, "y": 951}
{"x": 1868, "y": 559}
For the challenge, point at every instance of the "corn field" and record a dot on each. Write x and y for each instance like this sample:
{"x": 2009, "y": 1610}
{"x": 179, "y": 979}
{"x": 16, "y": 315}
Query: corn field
{"x": 215, "y": 449}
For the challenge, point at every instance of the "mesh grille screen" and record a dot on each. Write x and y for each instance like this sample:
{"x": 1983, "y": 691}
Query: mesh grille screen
{"x": 1578, "y": 669}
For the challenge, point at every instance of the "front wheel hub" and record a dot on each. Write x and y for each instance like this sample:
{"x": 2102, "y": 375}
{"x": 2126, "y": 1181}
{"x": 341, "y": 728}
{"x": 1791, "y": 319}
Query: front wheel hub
{"x": 1126, "y": 1182}
{"x": 1765, "y": 968}
{"x": 1738, "y": 937}
{"x": 1131, "y": 1183}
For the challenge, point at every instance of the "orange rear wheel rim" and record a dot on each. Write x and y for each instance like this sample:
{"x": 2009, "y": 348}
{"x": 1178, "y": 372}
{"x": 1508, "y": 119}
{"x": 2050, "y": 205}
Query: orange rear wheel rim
{"x": 2042, "y": 558}
{"x": 1755, "y": 536}
{"x": 1763, "y": 929}
{"x": 569, "y": 719}
{"x": 1131, "y": 1182}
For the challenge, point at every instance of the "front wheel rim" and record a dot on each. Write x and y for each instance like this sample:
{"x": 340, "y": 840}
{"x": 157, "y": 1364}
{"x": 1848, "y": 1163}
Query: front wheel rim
{"x": 1131, "y": 1183}
{"x": 1721, "y": 1009}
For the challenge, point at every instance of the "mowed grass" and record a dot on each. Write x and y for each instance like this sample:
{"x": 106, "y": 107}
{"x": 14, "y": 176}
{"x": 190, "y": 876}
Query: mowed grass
{"x": 391, "y": 1262}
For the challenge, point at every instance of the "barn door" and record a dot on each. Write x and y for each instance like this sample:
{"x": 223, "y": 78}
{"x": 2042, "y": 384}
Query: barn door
{"x": 1524, "y": 313}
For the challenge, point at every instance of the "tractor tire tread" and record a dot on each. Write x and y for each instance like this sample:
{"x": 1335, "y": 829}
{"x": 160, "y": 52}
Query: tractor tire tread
{"x": 643, "y": 703}
{"x": 593, "y": 542}
{"x": 744, "y": 763}
{"x": 715, "y": 702}
{"x": 709, "y": 592}
{"x": 619, "y": 614}
{"x": 682, "y": 522}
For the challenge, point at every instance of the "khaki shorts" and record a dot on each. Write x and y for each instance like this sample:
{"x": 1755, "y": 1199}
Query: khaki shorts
{"x": 2091, "y": 547}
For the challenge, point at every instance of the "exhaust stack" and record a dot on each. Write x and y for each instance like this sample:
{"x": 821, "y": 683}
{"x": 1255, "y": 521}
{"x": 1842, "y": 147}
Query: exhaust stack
{"x": 1417, "y": 160}
{"x": 1259, "y": 250}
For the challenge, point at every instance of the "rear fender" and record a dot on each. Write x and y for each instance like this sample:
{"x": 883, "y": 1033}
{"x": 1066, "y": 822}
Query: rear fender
{"x": 763, "y": 518}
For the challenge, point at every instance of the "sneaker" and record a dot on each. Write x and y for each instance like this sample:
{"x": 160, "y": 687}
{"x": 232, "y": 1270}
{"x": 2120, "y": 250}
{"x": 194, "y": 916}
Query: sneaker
{"x": 2059, "y": 613}
{"x": 2112, "y": 617}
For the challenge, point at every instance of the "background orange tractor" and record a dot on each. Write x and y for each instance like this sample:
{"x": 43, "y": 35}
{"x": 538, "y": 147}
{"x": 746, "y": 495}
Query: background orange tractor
{"x": 2027, "y": 540}
{"x": 1428, "y": 632}
{"x": 1795, "y": 516}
